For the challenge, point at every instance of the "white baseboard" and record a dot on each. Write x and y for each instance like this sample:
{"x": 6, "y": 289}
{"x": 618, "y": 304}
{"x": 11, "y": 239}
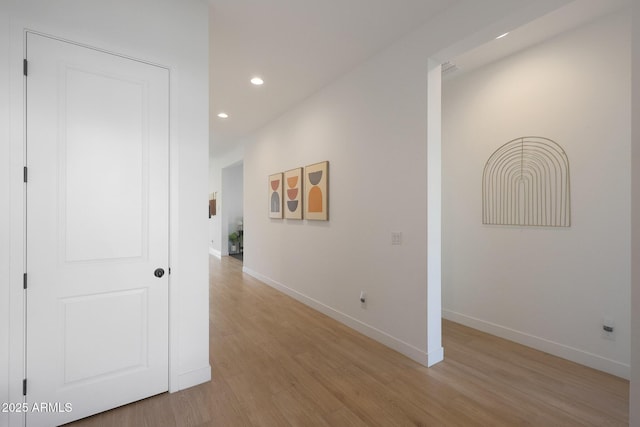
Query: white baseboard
{"x": 216, "y": 253}
{"x": 570, "y": 353}
{"x": 382, "y": 337}
{"x": 194, "y": 378}
{"x": 435, "y": 357}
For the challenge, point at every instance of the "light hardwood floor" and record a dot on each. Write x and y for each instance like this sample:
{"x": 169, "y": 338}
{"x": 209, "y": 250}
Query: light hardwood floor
{"x": 276, "y": 362}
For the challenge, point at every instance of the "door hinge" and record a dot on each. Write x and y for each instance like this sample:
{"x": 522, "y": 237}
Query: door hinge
{"x": 24, "y": 387}
{"x": 24, "y": 281}
{"x": 169, "y": 270}
{"x": 25, "y": 67}
{"x": 24, "y": 174}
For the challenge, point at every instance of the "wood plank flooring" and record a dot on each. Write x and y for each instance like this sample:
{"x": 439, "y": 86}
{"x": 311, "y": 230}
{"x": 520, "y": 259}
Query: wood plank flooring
{"x": 276, "y": 362}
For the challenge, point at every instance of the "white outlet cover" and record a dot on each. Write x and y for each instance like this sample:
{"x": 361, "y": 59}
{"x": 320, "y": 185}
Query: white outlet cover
{"x": 396, "y": 238}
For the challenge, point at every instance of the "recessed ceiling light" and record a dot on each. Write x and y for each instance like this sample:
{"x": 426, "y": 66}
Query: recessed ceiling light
{"x": 503, "y": 35}
{"x": 257, "y": 81}
{"x": 223, "y": 115}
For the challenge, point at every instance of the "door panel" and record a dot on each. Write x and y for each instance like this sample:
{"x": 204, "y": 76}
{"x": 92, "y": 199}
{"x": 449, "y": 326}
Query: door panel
{"x": 97, "y": 228}
{"x": 84, "y": 355}
{"x": 105, "y": 209}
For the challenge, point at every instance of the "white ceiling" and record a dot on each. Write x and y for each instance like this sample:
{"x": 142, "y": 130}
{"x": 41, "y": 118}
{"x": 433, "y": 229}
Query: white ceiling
{"x": 299, "y": 46}
{"x": 570, "y": 16}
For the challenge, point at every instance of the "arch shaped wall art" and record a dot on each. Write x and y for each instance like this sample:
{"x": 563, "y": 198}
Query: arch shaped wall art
{"x": 293, "y": 191}
{"x": 526, "y": 182}
{"x": 316, "y": 187}
{"x": 275, "y": 195}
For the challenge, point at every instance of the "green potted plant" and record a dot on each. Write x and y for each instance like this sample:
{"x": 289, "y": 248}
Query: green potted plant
{"x": 233, "y": 238}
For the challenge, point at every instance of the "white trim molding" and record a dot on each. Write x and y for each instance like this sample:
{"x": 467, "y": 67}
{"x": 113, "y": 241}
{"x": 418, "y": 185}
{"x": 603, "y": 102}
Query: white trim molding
{"x": 582, "y": 357}
{"x": 435, "y": 356}
{"x": 216, "y": 253}
{"x": 382, "y": 337}
{"x": 194, "y": 378}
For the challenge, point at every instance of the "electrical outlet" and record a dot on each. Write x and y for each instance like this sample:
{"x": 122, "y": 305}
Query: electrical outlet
{"x": 396, "y": 238}
{"x": 608, "y": 328}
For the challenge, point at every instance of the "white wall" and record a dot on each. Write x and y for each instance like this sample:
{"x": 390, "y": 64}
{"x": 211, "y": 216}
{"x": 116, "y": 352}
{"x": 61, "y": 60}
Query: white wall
{"x": 371, "y": 129}
{"x": 434, "y": 211}
{"x": 5, "y": 196}
{"x": 232, "y": 188}
{"x": 371, "y": 126}
{"x": 172, "y": 33}
{"x": 634, "y": 401}
{"x": 214, "y": 221}
{"x": 548, "y": 288}
{"x": 218, "y": 239}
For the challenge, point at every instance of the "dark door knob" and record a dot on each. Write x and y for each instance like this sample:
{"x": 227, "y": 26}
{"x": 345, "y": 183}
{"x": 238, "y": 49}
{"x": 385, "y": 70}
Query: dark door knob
{"x": 159, "y": 272}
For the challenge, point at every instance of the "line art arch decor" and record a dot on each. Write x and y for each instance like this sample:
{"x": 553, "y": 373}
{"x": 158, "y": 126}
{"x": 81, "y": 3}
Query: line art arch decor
{"x": 526, "y": 183}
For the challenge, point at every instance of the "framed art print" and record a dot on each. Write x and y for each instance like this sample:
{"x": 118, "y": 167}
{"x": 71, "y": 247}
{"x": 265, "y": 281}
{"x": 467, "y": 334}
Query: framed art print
{"x": 316, "y": 191}
{"x": 293, "y": 194}
{"x": 275, "y": 195}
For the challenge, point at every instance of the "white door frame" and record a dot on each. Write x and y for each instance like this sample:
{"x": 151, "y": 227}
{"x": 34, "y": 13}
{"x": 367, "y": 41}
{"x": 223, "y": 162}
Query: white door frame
{"x": 17, "y": 303}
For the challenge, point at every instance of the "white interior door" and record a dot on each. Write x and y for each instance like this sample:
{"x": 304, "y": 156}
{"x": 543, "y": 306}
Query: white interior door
{"x": 97, "y": 230}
